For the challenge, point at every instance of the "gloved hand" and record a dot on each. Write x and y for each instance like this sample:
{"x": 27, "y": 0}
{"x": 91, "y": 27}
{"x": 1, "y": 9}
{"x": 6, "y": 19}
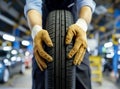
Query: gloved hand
{"x": 39, "y": 53}
{"x": 80, "y": 44}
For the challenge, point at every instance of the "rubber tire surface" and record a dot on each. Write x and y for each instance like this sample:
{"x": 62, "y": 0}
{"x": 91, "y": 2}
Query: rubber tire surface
{"x": 61, "y": 72}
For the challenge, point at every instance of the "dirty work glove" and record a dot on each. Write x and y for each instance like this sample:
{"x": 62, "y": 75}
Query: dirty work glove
{"x": 39, "y": 36}
{"x": 77, "y": 30}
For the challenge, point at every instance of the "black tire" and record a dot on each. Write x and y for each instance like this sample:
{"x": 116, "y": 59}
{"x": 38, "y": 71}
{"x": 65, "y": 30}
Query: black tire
{"x": 61, "y": 72}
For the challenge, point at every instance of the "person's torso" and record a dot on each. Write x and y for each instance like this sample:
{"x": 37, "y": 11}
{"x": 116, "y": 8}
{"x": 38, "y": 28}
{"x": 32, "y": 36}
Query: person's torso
{"x": 58, "y": 4}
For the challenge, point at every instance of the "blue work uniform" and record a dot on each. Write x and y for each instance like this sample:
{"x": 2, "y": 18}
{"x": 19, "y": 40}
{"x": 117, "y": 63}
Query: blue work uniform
{"x": 83, "y": 77}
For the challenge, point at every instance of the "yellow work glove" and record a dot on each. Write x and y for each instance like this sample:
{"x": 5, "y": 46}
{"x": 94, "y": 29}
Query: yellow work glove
{"x": 80, "y": 45}
{"x": 39, "y": 36}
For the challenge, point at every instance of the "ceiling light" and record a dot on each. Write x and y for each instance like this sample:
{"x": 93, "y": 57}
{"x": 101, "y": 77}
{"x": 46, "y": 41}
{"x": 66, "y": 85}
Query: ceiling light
{"x": 108, "y": 44}
{"x": 14, "y": 52}
{"x": 27, "y": 53}
{"x": 119, "y": 40}
{"x": 25, "y": 43}
{"x": 118, "y": 52}
{"x": 8, "y": 37}
{"x": 7, "y": 48}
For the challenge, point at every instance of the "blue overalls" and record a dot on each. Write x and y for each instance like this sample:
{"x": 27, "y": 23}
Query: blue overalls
{"x": 83, "y": 75}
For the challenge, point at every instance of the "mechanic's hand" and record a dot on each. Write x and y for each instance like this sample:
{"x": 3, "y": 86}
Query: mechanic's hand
{"x": 40, "y": 54}
{"x": 80, "y": 44}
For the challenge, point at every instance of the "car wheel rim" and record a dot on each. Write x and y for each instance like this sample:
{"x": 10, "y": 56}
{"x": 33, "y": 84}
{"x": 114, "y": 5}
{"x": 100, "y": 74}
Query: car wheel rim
{"x": 6, "y": 75}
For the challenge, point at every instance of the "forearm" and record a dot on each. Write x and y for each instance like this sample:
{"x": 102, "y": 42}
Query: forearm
{"x": 34, "y": 18}
{"x": 86, "y": 14}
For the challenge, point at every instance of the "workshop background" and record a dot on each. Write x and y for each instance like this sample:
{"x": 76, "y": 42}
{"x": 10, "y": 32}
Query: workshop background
{"x": 16, "y": 45}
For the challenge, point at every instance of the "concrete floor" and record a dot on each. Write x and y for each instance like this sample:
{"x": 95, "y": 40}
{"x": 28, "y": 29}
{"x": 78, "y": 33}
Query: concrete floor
{"x": 24, "y": 82}
{"x": 105, "y": 85}
{"x": 19, "y": 81}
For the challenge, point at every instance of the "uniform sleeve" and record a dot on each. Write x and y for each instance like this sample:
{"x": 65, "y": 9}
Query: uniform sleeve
{"x": 81, "y": 3}
{"x": 33, "y": 4}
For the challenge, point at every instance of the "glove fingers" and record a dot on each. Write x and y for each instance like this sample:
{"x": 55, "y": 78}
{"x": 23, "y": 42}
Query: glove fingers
{"x": 42, "y": 65}
{"x": 75, "y": 48}
{"x": 38, "y": 62}
{"x": 43, "y": 54}
{"x": 69, "y": 36}
{"x": 47, "y": 39}
{"x": 82, "y": 56}
{"x": 78, "y": 55}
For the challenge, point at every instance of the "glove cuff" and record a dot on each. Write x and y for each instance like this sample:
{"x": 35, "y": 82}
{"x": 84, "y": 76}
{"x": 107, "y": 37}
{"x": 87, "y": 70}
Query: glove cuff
{"x": 82, "y": 24}
{"x": 35, "y": 30}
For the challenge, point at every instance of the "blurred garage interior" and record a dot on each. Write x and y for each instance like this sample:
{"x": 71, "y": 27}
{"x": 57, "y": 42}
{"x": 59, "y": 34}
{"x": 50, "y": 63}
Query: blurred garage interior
{"x": 103, "y": 41}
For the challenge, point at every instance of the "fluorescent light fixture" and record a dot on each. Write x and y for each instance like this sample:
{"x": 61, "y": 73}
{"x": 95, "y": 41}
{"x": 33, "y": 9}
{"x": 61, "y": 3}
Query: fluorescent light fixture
{"x": 27, "y": 53}
{"x": 25, "y": 43}
{"x": 108, "y": 44}
{"x": 109, "y": 56}
{"x": 118, "y": 52}
{"x": 7, "y": 62}
{"x": 14, "y": 58}
{"x": 119, "y": 40}
{"x": 14, "y": 52}
{"x": 8, "y": 37}
{"x": 7, "y": 48}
